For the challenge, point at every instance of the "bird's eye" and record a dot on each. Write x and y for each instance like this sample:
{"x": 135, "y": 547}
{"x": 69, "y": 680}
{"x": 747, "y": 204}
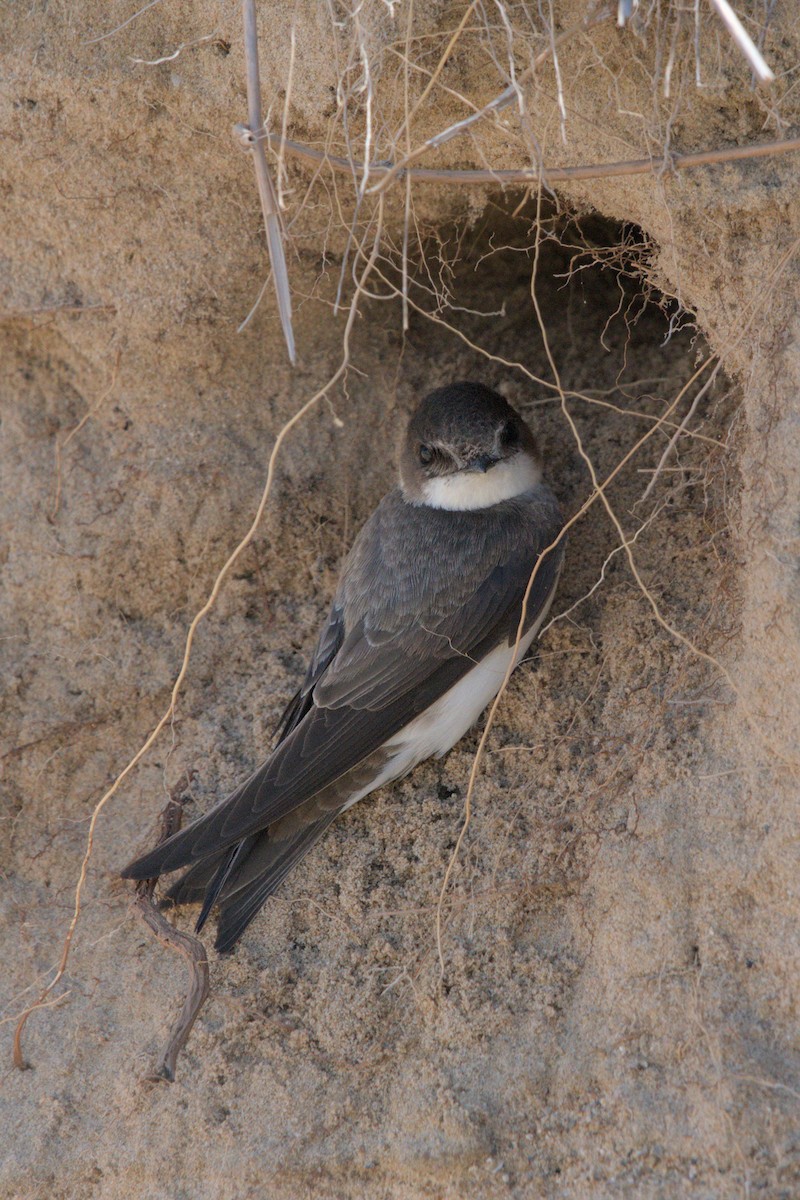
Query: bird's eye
{"x": 425, "y": 455}
{"x": 510, "y": 434}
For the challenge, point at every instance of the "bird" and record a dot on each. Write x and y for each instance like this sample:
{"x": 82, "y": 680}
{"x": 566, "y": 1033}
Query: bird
{"x": 423, "y": 627}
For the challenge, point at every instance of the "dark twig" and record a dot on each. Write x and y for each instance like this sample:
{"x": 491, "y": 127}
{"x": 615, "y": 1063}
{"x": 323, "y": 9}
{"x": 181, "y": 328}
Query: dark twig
{"x": 266, "y": 188}
{"x": 549, "y": 175}
{"x": 190, "y": 947}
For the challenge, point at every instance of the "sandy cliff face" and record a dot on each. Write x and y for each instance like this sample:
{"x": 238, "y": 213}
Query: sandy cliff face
{"x": 615, "y": 1014}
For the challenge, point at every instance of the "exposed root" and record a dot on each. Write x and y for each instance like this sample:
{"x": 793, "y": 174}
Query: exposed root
{"x": 17, "y": 1052}
{"x": 187, "y": 944}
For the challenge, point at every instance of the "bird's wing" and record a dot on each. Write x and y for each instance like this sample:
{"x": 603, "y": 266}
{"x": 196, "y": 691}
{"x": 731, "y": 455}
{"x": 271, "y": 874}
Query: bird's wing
{"x": 328, "y": 644}
{"x": 379, "y": 679}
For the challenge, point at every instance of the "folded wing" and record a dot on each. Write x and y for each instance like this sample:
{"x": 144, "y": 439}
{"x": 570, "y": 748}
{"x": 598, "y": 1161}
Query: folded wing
{"x": 375, "y": 684}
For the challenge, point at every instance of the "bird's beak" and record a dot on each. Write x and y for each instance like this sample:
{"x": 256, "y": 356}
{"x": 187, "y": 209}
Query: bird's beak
{"x": 483, "y": 462}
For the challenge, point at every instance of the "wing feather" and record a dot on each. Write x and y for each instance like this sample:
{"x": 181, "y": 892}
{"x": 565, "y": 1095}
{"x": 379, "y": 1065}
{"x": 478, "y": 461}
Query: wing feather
{"x": 405, "y": 640}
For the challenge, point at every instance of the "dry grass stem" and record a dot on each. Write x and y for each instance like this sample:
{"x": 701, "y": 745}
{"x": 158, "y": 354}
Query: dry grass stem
{"x": 743, "y": 40}
{"x": 123, "y": 25}
{"x": 285, "y": 119}
{"x": 405, "y": 127}
{"x": 266, "y": 188}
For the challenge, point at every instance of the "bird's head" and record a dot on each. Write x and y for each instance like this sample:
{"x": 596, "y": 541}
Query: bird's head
{"x": 467, "y": 448}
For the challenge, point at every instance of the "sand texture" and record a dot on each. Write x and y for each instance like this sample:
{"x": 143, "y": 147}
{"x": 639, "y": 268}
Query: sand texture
{"x": 615, "y": 1009}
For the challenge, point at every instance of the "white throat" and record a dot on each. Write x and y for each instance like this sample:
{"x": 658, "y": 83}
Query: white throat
{"x": 476, "y": 489}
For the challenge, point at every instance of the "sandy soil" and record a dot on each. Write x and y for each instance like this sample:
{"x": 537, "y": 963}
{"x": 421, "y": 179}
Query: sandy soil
{"x": 617, "y": 1013}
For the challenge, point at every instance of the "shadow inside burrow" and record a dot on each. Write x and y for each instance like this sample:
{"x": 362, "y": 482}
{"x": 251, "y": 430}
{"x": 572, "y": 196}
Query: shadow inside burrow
{"x": 622, "y": 351}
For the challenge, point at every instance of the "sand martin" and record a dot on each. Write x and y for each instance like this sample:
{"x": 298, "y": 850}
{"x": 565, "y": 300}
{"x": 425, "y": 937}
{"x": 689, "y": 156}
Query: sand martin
{"x": 417, "y": 643}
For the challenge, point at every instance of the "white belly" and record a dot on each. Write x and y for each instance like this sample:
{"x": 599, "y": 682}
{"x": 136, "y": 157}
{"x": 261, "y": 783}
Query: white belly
{"x": 437, "y": 730}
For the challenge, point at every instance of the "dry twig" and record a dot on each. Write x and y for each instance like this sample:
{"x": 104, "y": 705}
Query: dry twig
{"x": 548, "y": 175}
{"x": 165, "y": 58}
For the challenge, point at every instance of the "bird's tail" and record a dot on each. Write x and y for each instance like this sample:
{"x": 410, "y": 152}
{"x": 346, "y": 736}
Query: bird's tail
{"x": 196, "y": 845}
{"x": 240, "y": 879}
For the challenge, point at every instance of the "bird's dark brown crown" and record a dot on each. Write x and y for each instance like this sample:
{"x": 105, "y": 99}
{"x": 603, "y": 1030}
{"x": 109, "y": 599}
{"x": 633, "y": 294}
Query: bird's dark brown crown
{"x": 464, "y": 427}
